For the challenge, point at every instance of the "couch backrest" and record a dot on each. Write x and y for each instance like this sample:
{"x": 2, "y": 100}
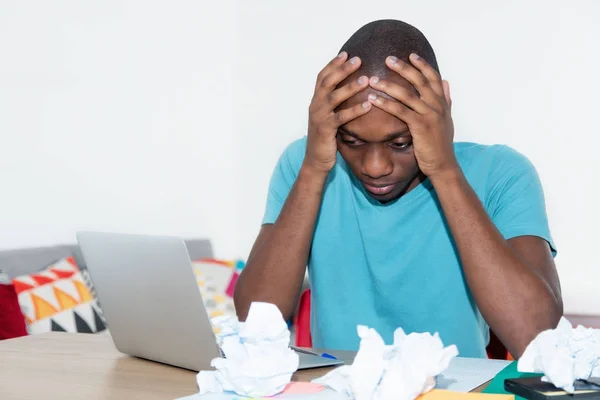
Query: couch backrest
{"x": 26, "y": 261}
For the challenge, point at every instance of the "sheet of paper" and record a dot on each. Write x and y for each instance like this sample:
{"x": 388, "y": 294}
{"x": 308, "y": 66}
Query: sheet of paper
{"x": 437, "y": 394}
{"x": 465, "y": 374}
{"x": 326, "y": 394}
{"x": 563, "y": 355}
{"x": 258, "y": 362}
{"x": 293, "y": 391}
{"x": 329, "y": 394}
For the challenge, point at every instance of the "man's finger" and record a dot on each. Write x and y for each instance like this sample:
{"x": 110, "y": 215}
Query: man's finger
{"x": 348, "y": 114}
{"x": 338, "y": 73}
{"x": 394, "y": 108}
{"x": 414, "y": 76}
{"x": 338, "y": 60}
{"x": 434, "y": 78}
{"x": 399, "y": 93}
{"x": 342, "y": 94}
{"x": 446, "y": 85}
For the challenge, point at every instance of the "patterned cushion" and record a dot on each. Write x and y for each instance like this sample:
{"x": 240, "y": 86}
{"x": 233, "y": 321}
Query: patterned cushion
{"x": 216, "y": 279}
{"x": 58, "y": 299}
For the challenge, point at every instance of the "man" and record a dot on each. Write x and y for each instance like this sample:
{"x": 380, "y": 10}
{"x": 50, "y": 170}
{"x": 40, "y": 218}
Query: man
{"x": 399, "y": 226}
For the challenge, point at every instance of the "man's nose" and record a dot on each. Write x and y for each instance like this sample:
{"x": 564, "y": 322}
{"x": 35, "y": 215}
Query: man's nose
{"x": 376, "y": 163}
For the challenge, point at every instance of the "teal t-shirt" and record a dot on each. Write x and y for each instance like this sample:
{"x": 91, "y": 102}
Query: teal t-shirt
{"x": 395, "y": 265}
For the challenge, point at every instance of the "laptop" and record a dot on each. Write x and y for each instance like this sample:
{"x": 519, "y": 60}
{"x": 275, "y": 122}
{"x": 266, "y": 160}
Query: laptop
{"x": 151, "y": 301}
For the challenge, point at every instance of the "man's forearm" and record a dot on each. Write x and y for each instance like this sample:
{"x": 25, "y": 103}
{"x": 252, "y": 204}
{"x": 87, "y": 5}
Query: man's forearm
{"x": 276, "y": 266}
{"x": 516, "y": 302}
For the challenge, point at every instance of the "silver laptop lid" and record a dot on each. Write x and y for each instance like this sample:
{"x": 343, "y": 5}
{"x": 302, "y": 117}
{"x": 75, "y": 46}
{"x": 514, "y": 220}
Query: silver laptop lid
{"x": 150, "y": 298}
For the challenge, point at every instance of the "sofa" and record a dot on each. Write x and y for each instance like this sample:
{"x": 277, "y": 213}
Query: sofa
{"x": 49, "y": 288}
{"x": 29, "y": 260}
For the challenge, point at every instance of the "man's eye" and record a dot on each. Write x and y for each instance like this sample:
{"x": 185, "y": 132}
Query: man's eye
{"x": 351, "y": 142}
{"x": 401, "y": 146}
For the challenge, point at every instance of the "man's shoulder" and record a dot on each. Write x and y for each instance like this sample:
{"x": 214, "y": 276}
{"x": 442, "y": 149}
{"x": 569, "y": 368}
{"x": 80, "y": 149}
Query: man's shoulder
{"x": 485, "y": 157}
{"x": 472, "y": 149}
{"x": 294, "y": 152}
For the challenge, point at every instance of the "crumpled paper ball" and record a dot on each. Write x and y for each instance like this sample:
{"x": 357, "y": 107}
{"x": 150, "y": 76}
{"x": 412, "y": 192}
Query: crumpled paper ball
{"x": 563, "y": 355}
{"x": 401, "y": 371}
{"x": 258, "y": 361}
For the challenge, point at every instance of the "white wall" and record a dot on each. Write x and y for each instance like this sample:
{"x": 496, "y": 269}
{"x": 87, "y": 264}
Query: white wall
{"x": 521, "y": 73}
{"x": 145, "y": 116}
{"x": 116, "y": 115}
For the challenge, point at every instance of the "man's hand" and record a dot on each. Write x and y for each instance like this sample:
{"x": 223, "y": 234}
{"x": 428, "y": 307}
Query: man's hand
{"x": 323, "y": 120}
{"x": 427, "y": 113}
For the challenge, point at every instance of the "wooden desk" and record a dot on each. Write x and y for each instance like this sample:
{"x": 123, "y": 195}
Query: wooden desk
{"x": 67, "y": 366}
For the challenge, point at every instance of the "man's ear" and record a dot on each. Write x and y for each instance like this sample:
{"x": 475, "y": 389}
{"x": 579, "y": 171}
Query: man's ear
{"x": 446, "y": 86}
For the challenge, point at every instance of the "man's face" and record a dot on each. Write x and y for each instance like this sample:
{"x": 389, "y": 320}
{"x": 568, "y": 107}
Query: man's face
{"x": 378, "y": 148}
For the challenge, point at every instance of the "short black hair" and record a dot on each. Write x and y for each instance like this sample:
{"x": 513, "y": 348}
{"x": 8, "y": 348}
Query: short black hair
{"x": 377, "y": 40}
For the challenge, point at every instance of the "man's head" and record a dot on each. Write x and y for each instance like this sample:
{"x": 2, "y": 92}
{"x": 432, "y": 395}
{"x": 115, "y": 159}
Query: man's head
{"x": 377, "y": 146}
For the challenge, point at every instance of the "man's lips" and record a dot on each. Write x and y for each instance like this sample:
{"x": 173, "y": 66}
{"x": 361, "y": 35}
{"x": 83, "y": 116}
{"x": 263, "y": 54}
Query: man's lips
{"x": 379, "y": 190}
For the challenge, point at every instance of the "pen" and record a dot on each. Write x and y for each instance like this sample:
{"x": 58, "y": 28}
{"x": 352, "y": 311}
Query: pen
{"x": 301, "y": 350}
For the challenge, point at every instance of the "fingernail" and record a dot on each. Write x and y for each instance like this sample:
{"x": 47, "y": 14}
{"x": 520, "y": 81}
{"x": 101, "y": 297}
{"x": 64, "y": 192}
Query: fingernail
{"x": 353, "y": 60}
{"x": 366, "y": 104}
{"x": 372, "y": 97}
{"x": 342, "y": 54}
{"x": 375, "y": 79}
{"x": 393, "y": 59}
{"x": 362, "y": 80}
{"x": 415, "y": 56}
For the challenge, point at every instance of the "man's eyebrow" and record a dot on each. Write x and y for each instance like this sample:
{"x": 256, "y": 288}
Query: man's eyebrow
{"x": 349, "y": 133}
{"x": 389, "y": 136}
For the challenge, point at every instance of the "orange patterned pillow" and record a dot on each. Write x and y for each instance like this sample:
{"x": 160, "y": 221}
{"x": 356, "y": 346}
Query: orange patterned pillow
{"x": 216, "y": 279}
{"x": 58, "y": 299}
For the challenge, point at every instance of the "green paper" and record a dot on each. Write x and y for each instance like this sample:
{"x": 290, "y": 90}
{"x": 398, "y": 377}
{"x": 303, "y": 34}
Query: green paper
{"x": 496, "y": 386}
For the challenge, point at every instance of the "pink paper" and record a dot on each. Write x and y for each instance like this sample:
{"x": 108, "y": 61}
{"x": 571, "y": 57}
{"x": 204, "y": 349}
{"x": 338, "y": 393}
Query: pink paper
{"x": 301, "y": 388}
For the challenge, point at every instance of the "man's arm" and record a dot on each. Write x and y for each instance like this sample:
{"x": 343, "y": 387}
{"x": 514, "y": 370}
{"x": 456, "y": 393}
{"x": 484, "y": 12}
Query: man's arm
{"x": 514, "y": 282}
{"x": 277, "y": 263}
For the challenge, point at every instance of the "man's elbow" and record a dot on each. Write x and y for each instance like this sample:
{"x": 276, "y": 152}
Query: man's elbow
{"x": 244, "y": 295}
{"x": 549, "y": 313}
{"x": 241, "y": 301}
{"x": 554, "y": 313}
{"x": 548, "y": 319}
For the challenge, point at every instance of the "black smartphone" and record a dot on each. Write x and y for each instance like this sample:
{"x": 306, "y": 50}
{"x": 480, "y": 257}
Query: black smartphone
{"x": 535, "y": 389}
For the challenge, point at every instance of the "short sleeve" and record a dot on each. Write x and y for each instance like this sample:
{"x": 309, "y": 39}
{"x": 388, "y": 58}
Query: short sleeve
{"x": 283, "y": 178}
{"x": 515, "y": 198}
